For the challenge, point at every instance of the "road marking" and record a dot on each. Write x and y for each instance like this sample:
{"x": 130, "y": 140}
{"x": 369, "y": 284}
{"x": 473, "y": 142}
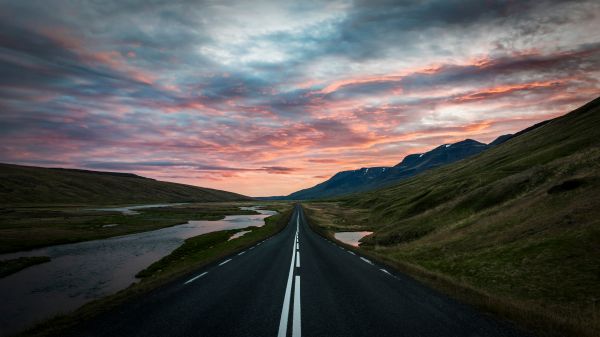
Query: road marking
{"x": 222, "y": 263}
{"x": 242, "y": 253}
{"x": 285, "y": 310}
{"x": 296, "y": 326}
{"x": 298, "y": 260}
{"x": 298, "y": 245}
{"x": 251, "y": 248}
{"x": 367, "y": 261}
{"x": 351, "y": 252}
{"x": 385, "y": 271}
{"x": 195, "y": 278}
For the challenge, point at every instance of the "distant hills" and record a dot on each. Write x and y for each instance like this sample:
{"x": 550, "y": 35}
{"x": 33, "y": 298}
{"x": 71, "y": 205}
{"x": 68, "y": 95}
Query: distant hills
{"x": 368, "y": 178}
{"x": 38, "y": 185}
{"x": 520, "y": 221}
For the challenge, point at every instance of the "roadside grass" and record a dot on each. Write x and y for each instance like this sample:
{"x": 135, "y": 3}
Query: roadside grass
{"x": 34, "y": 226}
{"x": 12, "y": 266}
{"x": 195, "y": 253}
{"x": 514, "y": 230}
{"x": 539, "y": 316}
{"x": 212, "y": 246}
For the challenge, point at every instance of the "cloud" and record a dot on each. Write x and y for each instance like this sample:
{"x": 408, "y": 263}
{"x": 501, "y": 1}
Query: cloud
{"x": 269, "y": 97}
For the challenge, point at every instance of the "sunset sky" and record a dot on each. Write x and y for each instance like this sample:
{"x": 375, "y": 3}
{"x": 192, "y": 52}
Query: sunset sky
{"x": 265, "y": 98}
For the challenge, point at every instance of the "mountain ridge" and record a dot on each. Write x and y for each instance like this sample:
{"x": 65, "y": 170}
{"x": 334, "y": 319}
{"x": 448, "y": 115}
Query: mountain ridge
{"x": 368, "y": 178}
{"x": 31, "y": 184}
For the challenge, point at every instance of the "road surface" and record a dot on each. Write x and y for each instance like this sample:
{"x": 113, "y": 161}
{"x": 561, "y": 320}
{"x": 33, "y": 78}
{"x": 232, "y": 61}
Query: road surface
{"x": 294, "y": 284}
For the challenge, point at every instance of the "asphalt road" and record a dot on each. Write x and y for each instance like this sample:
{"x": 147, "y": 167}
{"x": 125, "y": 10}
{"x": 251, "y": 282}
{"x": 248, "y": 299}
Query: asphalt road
{"x": 295, "y": 284}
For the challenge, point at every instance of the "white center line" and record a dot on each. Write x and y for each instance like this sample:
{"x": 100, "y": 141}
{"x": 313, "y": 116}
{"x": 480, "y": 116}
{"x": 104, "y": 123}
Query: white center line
{"x": 285, "y": 310}
{"x": 222, "y": 263}
{"x": 296, "y": 326}
{"x": 195, "y": 278}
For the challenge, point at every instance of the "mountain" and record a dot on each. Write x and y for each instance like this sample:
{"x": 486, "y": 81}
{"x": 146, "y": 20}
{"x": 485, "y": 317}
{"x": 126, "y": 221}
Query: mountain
{"x": 368, "y": 178}
{"x": 28, "y": 184}
{"x": 520, "y": 222}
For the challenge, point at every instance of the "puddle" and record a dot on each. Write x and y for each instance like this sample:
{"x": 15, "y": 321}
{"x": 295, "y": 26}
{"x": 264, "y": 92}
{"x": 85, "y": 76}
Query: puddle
{"x": 351, "y": 238}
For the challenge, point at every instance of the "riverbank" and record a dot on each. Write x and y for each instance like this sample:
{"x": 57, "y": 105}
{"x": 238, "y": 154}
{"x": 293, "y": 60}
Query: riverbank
{"x": 11, "y": 266}
{"x": 26, "y": 227}
{"x": 204, "y": 255}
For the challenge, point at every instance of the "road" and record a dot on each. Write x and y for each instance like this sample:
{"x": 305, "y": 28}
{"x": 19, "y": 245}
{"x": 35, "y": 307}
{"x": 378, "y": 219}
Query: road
{"x": 294, "y": 284}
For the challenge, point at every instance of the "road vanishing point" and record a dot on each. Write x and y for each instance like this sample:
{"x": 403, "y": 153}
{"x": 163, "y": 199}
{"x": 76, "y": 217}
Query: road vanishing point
{"x": 296, "y": 283}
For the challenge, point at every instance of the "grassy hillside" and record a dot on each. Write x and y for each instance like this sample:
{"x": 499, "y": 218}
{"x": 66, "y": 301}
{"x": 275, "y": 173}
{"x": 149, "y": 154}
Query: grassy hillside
{"x": 26, "y": 184}
{"x": 520, "y": 223}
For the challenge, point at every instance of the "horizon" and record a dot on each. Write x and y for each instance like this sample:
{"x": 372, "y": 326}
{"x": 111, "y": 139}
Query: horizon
{"x": 265, "y": 99}
{"x": 324, "y": 179}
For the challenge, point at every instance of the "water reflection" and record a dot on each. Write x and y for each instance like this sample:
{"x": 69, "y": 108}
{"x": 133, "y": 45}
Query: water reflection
{"x": 81, "y": 272}
{"x": 351, "y": 238}
{"x": 130, "y": 210}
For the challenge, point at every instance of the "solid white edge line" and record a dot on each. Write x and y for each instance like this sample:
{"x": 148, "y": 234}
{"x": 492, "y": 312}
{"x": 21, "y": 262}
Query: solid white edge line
{"x": 285, "y": 310}
{"x": 296, "y": 324}
{"x": 195, "y": 278}
{"x": 222, "y": 263}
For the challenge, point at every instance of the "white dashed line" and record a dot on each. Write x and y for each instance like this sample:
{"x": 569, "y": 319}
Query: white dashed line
{"x": 367, "y": 261}
{"x": 222, "y": 263}
{"x": 385, "y": 271}
{"x": 285, "y": 310}
{"x": 195, "y": 278}
{"x": 351, "y": 252}
{"x": 296, "y": 326}
{"x": 242, "y": 253}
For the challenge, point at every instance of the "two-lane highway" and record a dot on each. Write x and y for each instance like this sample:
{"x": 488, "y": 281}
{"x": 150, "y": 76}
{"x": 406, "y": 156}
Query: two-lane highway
{"x": 294, "y": 284}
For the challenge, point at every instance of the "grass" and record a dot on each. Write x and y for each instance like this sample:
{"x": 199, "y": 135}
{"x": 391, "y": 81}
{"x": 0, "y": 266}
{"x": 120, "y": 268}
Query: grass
{"x": 29, "y": 227}
{"x": 12, "y": 266}
{"x": 28, "y": 185}
{"x": 195, "y": 253}
{"x": 516, "y": 228}
{"x": 213, "y": 246}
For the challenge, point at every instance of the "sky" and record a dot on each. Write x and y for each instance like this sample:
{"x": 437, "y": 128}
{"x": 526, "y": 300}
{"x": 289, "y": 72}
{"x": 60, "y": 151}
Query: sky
{"x": 268, "y": 97}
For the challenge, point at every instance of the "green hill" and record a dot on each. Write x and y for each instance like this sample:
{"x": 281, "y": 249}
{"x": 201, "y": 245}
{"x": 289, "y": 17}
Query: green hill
{"x": 27, "y": 184}
{"x": 519, "y": 222}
